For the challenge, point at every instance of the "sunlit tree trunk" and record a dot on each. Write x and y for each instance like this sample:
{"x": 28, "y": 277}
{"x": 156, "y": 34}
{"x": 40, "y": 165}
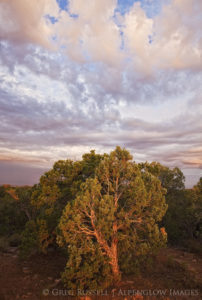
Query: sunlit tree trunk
{"x": 114, "y": 261}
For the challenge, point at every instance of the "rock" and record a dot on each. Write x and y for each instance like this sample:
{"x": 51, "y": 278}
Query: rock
{"x": 26, "y": 278}
{"x": 138, "y": 297}
{"x": 194, "y": 260}
{"x": 12, "y": 249}
{"x": 50, "y": 278}
{"x": 129, "y": 281}
{"x": 50, "y": 249}
{"x": 26, "y": 270}
{"x": 6, "y": 254}
{"x": 57, "y": 280}
{"x": 35, "y": 276}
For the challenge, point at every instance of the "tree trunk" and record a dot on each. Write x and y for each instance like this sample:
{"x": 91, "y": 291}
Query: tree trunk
{"x": 27, "y": 214}
{"x": 114, "y": 262}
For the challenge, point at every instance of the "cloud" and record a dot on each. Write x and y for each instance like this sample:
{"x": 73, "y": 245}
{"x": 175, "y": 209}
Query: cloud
{"x": 160, "y": 43}
{"x": 92, "y": 35}
{"x": 98, "y": 78}
{"x": 51, "y": 116}
{"x": 96, "y": 32}
{"x": 138, "y": 28}
{"x": 23, "y": 21}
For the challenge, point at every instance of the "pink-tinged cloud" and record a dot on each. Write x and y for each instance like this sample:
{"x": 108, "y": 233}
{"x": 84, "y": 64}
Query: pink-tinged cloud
{"x": 97, "y": 78}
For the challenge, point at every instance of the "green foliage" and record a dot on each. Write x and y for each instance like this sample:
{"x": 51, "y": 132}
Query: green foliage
{"x": 29, "y": 242}
{"x": 86, "y": 267}
{"x": 113, "y": 219}
{"x": 183, "y": 217}
{"x": 12, "y": 219}
{"x": 183, "y": 220}
{"x": 23, "y": 195}
{"x": 171, "y": 179}
{"x": 106, "y": 212}
{"x": 4, "y": 244}
{"x": 36, "y": 237}
{"x": 197, "y": 209}
{"x": 15, "y": 211}
{"x": 15, "y": 240}
{"x": 57, "y": 187}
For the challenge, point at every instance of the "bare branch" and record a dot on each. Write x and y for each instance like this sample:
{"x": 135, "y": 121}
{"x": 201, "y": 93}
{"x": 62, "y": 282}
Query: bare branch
{"x": 86, "y": 230}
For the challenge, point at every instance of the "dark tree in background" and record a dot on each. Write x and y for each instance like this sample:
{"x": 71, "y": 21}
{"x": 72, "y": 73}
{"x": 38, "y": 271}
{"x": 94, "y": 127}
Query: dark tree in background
{"x": 183, "y": 219}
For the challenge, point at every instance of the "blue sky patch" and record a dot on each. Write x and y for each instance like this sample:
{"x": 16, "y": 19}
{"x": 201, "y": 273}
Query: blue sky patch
{"x": 52, "y": 19}
{"x": 124, "y": 5}
{"x": 63, "y": 4}
{"x": 151, "y": 8}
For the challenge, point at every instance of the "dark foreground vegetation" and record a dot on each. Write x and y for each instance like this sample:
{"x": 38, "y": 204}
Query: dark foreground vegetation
{"x": 98, "y": 222}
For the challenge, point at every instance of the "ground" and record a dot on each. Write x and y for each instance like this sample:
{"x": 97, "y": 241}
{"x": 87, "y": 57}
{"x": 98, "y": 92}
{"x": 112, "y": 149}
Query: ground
{"x": 175, "y": 274}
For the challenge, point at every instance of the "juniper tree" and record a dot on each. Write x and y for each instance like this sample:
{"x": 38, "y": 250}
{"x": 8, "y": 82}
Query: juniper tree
{"x": 113, "y": 219}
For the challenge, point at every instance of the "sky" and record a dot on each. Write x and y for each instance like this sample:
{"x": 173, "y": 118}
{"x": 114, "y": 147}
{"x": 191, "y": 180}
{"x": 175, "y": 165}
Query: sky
{"x": 79, "y": 75}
